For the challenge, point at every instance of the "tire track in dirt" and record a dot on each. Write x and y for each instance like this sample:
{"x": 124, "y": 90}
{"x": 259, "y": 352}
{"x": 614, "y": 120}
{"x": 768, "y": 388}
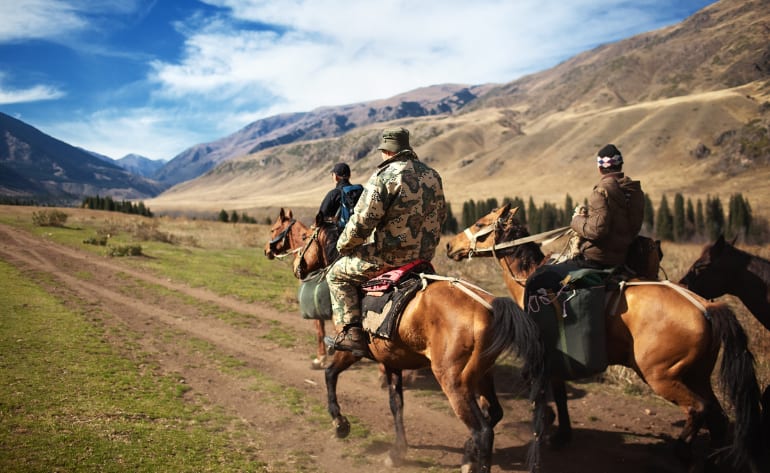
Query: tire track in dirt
{"x": 435, "y": 435}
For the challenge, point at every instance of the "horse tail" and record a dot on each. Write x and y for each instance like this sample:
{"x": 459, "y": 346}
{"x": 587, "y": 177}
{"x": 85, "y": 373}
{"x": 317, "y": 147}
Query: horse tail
{"x": 738, "y": 381}
{"x": 513, "y": 330}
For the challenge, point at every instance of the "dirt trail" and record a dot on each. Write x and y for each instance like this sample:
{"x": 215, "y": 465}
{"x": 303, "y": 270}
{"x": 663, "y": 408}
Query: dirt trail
{"x": 613, "y": 432}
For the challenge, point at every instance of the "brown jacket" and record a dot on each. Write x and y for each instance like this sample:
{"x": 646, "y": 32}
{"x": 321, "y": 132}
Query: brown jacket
{"x": 614, "y": 218}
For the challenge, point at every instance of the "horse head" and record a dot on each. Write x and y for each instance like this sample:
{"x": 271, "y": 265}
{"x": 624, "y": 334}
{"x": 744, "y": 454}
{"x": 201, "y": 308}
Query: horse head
{"x": 710, "y": 274}
{"x": 280, "y": 234}
{"x": 319, "y": 248}
{"x": 475, "y": 240}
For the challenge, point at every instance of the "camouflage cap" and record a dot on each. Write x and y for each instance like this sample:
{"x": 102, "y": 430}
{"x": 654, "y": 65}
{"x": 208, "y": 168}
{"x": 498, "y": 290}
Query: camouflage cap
{"x": 394, "y": 140}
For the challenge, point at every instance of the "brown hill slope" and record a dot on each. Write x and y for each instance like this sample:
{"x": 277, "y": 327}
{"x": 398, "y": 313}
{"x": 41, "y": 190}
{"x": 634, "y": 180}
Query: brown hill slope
{"x": 688, "y": 105}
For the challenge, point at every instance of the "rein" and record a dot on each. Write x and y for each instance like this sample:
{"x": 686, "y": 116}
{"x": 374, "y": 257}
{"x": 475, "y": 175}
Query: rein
{"x": 542, "y": 238}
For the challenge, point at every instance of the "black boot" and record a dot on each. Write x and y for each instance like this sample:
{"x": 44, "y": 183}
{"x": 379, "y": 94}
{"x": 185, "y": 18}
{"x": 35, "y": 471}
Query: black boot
{"x": 352, "y": 338}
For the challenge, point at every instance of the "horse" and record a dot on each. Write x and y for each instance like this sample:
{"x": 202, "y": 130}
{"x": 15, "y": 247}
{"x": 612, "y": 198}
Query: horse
{"x": 655, "y": 330}
{"x": 724, "y": 269}
{"x": 287, "y": 236}
{"x": 457, "y": 330}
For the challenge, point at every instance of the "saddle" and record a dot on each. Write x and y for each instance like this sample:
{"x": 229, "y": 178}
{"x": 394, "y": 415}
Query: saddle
{"x": 386, "y": 296}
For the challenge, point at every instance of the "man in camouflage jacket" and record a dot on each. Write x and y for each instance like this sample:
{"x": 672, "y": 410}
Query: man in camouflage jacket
{"x": 613, "y": 217}
{"x": 397, "y": 220}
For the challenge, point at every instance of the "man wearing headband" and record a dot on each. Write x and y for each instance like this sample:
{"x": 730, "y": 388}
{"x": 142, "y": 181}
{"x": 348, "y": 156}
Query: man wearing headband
{"x": 613, "y": 217}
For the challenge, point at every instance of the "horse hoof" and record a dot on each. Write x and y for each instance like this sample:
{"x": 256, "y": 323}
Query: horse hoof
{"x": 319, "y": 363}
{"x": 393, "y": 461}
{"x": 341, "y": 427}
{"x": 559, "y": 440}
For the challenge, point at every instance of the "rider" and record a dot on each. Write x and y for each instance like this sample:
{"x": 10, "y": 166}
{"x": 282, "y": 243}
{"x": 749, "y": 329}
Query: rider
{"x": 332, "y": 201}
{"x": 613, "y": 217}
{"x": 402, "y": 209}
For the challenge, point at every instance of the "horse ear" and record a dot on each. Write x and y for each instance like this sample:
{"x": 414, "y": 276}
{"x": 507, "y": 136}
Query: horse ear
{"x": 732, "y": 243}
{"x": 514, "y": 210}
{"x": 282, "y": 214}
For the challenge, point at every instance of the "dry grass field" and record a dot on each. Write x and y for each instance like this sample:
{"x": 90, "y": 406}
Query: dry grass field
{"x": 204, "y": 307}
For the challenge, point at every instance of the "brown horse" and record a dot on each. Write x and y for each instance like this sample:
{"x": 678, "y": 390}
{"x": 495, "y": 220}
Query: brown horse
{"x": 459, "y": 331}
{"x": 724, "y": 269}
{"x": 655, "y": 330}
{"x": 287, "y": 236}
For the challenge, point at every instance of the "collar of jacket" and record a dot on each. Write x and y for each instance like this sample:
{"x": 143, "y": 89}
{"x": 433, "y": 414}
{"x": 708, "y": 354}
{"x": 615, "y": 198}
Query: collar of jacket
{"x": 614, "y": 175}
{"x": 403, "y": 155}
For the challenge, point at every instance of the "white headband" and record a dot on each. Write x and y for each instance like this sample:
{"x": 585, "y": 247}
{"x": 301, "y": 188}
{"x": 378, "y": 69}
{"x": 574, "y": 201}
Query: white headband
{"x": 609, "y": 161}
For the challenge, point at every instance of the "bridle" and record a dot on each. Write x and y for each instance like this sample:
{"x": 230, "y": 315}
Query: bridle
{"x": 283, "y": 236}
{"x": 496, "y": 226}
{"x": 542, "y": 238}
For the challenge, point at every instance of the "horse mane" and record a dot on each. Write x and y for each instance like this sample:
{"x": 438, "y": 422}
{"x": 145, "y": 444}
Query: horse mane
{"x": 529, "y": 254}
{"x": 760, "y": 266}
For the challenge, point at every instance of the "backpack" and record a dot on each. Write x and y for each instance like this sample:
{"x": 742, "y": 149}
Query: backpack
{"x": 348, "y": 200}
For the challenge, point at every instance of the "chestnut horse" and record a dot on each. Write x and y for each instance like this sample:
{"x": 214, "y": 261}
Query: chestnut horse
{"x": 459, "y": 331}
{"x": 655, "y": 329}
{"x": 287, "y": 237}
{"x": 724, "y": 269}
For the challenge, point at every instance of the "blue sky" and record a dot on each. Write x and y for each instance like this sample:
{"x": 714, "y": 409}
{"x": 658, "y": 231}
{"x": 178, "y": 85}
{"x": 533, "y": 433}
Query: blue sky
{"x": 154, "y": 77}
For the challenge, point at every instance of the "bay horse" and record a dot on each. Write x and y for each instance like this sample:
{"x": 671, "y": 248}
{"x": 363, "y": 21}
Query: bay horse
{"x": 724, "y": 269}
{"x": 287, "y": 236}
{"x": 656, "y": 331}
{"x": 457, "y": 330}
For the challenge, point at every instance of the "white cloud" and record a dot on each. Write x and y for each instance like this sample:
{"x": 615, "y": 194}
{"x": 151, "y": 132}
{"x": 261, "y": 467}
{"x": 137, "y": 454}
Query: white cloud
{"x": 36, "y": 19}
{"x": 331, "y": 52}
{"x": 34, "y": 93}
{"x": 153, "y": 133}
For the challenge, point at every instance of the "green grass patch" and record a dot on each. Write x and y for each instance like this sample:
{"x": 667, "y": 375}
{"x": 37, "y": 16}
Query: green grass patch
{"x": 68, "y": 402}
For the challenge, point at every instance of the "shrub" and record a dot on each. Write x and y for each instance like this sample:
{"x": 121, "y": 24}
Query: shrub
{"x": 49, "y": 218}
{"x": 125, "y": 250}
{"x": 97, "y": 240}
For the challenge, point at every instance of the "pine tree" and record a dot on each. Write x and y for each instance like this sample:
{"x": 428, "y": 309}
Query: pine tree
{"x": 533, "y": 217}
{"x": 679, "y": 233}
{"x": 223, "y": 216}
{"x": 450, "y": 225}
{"x": 689, "y": 220}
{"x": 700, "y": 221}
{"x": 648, "y": 221}
{"x": 664, "y": 224}
{"x": 715, "y": 218}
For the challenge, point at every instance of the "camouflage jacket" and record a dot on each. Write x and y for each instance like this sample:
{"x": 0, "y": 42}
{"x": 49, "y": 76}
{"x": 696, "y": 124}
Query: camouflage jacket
{"x": 615, "y": 214}
{"x": 401, "y": 208}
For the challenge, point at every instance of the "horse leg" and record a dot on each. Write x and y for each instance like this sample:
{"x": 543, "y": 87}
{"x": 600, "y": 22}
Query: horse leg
{"x": 396, "y": 395}
{"x": 341, "y": 361}
{"x": 694, "y": 406}
{"x": 492, "y": 407}
{"x": 319, "y": 362}
{"x": 563, "y": 433}
{"x": 477, "y": 456}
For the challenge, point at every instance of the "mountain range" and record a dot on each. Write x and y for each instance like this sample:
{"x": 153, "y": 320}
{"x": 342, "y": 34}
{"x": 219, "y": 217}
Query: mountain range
{"x": 688, "y": 105}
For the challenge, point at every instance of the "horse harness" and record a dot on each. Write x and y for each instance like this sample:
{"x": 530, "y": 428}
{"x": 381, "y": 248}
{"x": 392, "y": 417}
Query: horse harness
{"x": 553, "y": 235}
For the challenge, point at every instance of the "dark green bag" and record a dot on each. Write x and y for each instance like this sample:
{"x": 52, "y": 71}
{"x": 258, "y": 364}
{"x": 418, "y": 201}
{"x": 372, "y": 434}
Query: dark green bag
{"x": 313, "y": 296}
{"x": 571, "y": 319}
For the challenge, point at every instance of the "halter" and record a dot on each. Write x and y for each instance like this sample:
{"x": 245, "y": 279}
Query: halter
{"x": 281, "y": 236}
{"x": 542, "y": 238}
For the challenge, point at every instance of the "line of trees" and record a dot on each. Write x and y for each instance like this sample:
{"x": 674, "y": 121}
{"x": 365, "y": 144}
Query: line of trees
{"x": 235, "y": 217}
{"x": 107, "y": 203}
{"x": 681, "y": 222}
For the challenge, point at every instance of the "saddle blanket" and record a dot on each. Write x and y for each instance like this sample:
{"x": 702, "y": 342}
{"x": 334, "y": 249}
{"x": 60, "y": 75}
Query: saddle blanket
{"x": 386, "y": 296}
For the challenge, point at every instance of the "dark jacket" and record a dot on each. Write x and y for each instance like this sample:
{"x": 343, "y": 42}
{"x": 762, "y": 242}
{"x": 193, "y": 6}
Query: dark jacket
{"x": 615, "y": 214}
{"x": 331, "y": 203}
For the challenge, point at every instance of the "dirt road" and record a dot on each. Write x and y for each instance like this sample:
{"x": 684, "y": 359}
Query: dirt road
{"x": 614, "y": 432}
